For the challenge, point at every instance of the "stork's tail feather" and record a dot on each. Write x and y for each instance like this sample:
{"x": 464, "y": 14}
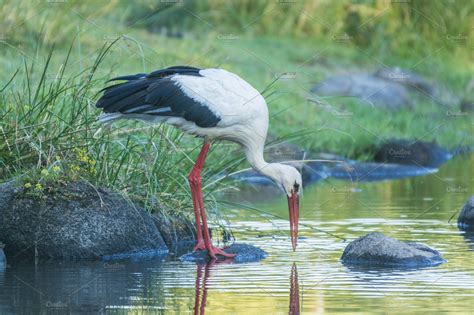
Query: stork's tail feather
{"x": 108, "y": 118}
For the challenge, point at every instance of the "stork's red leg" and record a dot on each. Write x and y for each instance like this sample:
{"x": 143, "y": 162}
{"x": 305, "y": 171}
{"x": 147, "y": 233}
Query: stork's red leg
{"x": 197, "y": 217}
{"x": 195, "y": 181}
{"x": 194, "y": 178}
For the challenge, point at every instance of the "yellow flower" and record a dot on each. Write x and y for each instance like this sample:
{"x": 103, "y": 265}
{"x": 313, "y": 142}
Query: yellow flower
{"x": 27, "y": 185}
{"x": 44, "y": 172}
{"x": 75, "y": 168}
{"x": 56, "y": 168}
{"x": 38, "y": 186}
{"x": 92, "y": 161}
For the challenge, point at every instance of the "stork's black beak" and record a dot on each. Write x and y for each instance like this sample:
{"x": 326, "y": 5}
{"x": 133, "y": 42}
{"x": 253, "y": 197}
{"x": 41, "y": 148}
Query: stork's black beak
{"x": 293, "y": 207}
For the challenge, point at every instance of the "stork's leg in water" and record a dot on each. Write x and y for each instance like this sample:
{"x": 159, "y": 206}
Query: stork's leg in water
{"x": 197, "y": 217}
{"x": 195, "y": 182}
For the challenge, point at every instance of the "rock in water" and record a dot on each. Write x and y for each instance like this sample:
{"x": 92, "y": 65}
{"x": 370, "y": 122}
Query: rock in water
{"x": 367, "y": 171}
{"x": 411, "y": 152}
{"x": 73, "y": 221}
{"x": 378, "y": 250}
{"x": 466, "y": 217}
{"x": 244, "y": 253}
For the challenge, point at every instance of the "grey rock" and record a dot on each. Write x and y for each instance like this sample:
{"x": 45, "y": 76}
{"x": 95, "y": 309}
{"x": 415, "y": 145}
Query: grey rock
{"x": 408, "y": 78}
{"x": 467, "y": 106}
{"x": 466, "y": 217}
{"x": 244, "y": 253}
{"x": 411, "y": 152}
{"x": 175, "y": 230}
{"x": 73, "y": 221}
{"x": 368, "y": 88}
{"x": 386, "y": 88}
{"x": 368, "y": 171}
{"x": 376, "y": 249}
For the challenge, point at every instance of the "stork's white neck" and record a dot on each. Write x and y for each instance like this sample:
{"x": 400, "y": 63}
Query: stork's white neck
{"x": 254, "y": 154}
{"x": 285, "y": 176}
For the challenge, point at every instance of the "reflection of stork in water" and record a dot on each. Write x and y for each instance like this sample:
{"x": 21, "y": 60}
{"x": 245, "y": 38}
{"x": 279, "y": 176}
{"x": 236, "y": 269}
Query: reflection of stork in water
{"x": 200, "y": 300}
{"x": 294, "y": 292}
{"x": 200, "y": 303}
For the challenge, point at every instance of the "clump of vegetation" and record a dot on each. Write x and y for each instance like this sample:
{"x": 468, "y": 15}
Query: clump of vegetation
{"x": 50, "y": 137}
{"x": 40, "y": 181}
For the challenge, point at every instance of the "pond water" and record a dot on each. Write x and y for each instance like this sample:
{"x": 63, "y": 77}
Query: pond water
{"x": 310, "y": 280}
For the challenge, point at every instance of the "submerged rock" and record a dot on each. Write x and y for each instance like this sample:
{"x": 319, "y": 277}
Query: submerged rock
{"x": 376, "y": 249}
{"x": 314, "y": 171}
{"x": 368, "y": 171}
{"x": 466, "y": 217}
{"x": 244, "y": 253}
{"x": 411, "y": 152}
{"x": 73, "y": 221}
{"x": 137, "y": 255}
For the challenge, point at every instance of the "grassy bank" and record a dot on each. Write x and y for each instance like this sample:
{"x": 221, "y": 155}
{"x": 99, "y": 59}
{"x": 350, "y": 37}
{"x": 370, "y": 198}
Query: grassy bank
{"x": 57, "y": 55}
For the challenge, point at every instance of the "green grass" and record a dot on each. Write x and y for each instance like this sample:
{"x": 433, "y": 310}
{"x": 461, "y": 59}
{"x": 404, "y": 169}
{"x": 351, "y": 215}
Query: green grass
{"x": 47, "y": 94}
{"x": 50, "y": 134}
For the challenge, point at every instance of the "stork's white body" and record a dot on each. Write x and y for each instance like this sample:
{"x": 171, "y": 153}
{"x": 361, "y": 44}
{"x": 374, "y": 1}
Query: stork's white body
{"x": 242, "y": 109}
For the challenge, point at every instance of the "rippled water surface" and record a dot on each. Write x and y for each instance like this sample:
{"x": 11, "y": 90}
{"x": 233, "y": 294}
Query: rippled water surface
{"x": 311, "y": 280}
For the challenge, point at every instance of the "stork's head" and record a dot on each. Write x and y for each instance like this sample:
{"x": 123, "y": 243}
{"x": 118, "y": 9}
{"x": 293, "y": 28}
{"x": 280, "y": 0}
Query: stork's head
{"x": 290, "y": 180}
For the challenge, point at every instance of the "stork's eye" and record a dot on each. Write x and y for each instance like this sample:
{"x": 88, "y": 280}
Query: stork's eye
{"x": 296, "y": 187}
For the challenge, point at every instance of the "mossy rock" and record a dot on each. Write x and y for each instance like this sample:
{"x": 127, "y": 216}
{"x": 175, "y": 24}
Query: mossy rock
{"x": 73, "y": 220}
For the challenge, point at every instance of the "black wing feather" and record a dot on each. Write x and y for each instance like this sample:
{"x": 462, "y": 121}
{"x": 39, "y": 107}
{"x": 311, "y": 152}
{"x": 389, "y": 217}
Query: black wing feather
{"x": 185, "y": 70}
{"x": 129, "y": 77}
{"x": 156, "y": 90}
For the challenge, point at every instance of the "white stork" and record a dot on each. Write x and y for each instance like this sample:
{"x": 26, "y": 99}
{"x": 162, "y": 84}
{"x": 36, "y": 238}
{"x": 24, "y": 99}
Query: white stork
{"x": 210, "y": 103}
